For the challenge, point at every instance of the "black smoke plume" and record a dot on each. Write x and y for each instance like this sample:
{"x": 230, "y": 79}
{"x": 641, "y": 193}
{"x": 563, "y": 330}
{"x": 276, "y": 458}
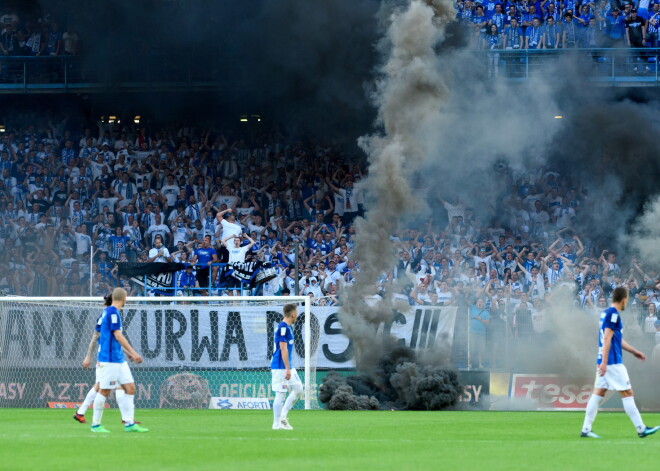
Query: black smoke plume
{"x": 409, "y": 94}
{"x": 400, "y": 381}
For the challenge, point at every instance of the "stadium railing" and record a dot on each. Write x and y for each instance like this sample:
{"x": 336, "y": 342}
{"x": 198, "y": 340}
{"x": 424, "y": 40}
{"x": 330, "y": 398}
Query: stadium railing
{"x": 80, "y": 73}
{"x": 609, "y": 66}
{"x": 212, "y": 285}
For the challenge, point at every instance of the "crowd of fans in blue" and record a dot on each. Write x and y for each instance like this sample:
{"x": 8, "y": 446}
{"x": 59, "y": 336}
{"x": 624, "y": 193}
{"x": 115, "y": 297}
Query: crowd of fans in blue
{"x": 39, "y": 37}
{"x": 191, "y": 195}
{"x": 549, "y": 24}
{"x": 118, "y": 191}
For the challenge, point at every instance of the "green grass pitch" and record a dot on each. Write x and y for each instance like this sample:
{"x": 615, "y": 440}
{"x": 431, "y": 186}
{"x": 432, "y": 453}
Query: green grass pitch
{"x": 42, "y": 439}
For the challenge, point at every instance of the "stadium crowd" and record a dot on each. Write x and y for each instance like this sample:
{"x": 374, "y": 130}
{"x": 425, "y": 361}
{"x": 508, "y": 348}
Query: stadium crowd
{"x": 181, "y": 194}
{"x": 549, "y": 24}
{"x": 36, "y": 36}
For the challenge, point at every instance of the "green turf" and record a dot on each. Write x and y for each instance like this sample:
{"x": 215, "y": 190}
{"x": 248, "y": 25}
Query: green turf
{"x": 38, "y": 439}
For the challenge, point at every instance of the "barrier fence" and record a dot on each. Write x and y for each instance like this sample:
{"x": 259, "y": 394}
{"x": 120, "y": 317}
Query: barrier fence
{"x": 609, "y": 66}
{"x": 630, "y": 66}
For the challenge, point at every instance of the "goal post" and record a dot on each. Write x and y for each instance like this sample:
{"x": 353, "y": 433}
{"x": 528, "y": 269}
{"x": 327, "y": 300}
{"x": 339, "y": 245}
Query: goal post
{"x": 193, "y": 348}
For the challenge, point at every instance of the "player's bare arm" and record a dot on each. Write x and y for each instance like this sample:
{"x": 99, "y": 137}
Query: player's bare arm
{"x": 630, "y": 349}
{"x": 92, "y": 346}
{"x": 285, "y": 360}
{"x": 607, "y": 343}
{"x": 127, "y": 346}
{"x": 90, "y": 350}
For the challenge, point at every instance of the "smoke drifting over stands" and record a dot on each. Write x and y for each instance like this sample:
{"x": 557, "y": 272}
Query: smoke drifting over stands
{"x": 446, "y": 136}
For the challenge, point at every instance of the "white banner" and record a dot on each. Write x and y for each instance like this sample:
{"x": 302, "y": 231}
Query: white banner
{"x": 201, "y": 336}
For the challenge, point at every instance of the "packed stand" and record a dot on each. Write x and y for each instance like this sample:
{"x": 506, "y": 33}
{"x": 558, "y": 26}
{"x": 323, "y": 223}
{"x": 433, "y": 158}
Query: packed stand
{"x": 494, "y": 24}
{"x": 124, "y": 194}
{"x": 516, "y": 277}
{"x": 38, "y": 37}
{"x": 176, "y": 195}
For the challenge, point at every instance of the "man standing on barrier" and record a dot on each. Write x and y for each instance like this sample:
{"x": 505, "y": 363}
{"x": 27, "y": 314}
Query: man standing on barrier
{"x": 204, "y": 257}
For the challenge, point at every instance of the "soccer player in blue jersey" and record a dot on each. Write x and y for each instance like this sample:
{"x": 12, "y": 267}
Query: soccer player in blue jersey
{"x": 284, "y": 377}
{"x": 120, "y": 394}
{"x": 611, "y": 373}
{"x": 111, "y": 368}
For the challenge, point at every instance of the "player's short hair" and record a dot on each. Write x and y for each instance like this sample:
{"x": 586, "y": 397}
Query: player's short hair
{"x": 619, "y": 294}
{"x": 289, "y": 309}
{"x": 118, "y": 294}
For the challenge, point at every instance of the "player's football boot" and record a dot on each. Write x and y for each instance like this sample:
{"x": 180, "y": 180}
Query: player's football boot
{"x": 285, "y": 424}
{"x": 278, "y": 427}
{"x": 648, "y": 431}
{"x": 589, "y": 435}
{"x": 99, "y": 429}
{"x": 135, "y": 428}
{"x": 79, "y": 418}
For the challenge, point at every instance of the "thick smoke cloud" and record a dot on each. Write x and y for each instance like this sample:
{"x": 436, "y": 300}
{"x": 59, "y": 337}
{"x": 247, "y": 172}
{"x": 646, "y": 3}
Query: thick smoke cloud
{"x": 409, "y": 94}
{"x": 447, "y": 129}
{"x": 645, "y": 239}
{"x": 399, "y": 380}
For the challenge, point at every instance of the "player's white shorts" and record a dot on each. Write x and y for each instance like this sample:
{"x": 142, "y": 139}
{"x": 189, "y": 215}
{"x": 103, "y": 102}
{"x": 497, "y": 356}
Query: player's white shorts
{"x": 616, "y": 378}
{"x": 111, "y": 375}
{"x": 282, "y": 385}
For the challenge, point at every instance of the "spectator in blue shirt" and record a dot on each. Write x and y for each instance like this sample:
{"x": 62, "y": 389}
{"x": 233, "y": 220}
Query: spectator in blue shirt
{"x": 533, "y": 35}
{"x": 479, "y": 21}
{"x": 570, "y": 34}
{"x": 511, "y": 14}
{"x": 493, "y": 41}
{"x": 465, "y": 11}
{"x": 551, "y": 34}
{"x": 513, "y": 35}
{"x": 591, "y": 36}
{"x": 489, "y": 7}
{"x": 498, "y": 19}
{"x": 615, "y": 28}
{"x": 528, "y": 18}
{"x": 653, "y": 25}
{"x": 479, "y": 319}
{"x": 585, "y": 16}
{"x": 551, "y": 11}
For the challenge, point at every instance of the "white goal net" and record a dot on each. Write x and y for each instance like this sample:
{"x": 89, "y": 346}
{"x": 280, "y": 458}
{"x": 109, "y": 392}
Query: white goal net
{"x": 198, "y": 352}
